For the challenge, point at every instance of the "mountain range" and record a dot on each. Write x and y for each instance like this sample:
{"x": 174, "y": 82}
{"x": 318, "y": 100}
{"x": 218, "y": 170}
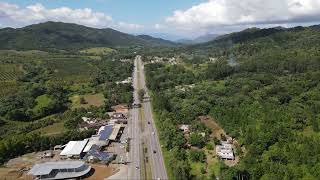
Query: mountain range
{"x": 58, "y": 35}
{"x": 201, "y": 39}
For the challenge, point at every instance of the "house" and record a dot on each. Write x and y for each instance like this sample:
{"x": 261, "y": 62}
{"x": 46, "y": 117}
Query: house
{"x": 225, "y": 151}
{"x": 185, "y": 128}
{"x": 74, "y": 149}
{"x": 118, "y": 115}
{"x": 60, "y": 170}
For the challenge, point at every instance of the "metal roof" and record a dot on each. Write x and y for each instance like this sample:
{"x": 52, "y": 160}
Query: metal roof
{"x": 115, "y": 132}
{"x": 105, "y": 132}
{"x": 47, "y": 167}
{"x": 74, "y": 148}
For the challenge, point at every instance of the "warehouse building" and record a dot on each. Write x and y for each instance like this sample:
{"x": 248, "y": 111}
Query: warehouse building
{"x": 74, "y": 149}
{"x": 60, "y": 170}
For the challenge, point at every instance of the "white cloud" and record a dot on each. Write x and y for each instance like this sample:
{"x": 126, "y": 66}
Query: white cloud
{"x": 232, "y": 14}
{"x": 15, "y": 16}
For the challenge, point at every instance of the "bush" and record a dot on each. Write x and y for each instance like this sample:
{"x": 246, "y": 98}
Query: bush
{"x": 209, "y": 146}
{"x": 197, "y": 155}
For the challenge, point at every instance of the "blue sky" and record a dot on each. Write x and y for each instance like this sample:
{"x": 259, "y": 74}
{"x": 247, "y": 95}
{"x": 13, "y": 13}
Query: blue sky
{"x": 165, "y": 18}
{"x": 144, "y": 12}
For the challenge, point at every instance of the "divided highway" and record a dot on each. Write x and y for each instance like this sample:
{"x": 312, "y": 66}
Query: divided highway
{"x": 134, "y": 132}
{"x": 155, "y": 154}
{"x": 149, "y": 135}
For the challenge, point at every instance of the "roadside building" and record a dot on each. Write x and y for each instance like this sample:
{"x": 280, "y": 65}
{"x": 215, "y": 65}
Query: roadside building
{"x": 95, "y": 141}
{"x": 116, "y": 133}
{"x": 74, "y": 149}
{"x": 95, "y": 154}
{"x": 104, "y": 132}
{"x": 60, "y": 170}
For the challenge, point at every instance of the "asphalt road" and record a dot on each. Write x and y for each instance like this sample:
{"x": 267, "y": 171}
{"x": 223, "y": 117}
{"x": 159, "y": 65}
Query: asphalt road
{"x": 154, "y": 150}
{"x": 134, "y": 132}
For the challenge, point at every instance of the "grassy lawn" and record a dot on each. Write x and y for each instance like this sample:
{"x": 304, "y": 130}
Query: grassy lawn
{"x": 98, "y": 51}
{"x": 42, "y": 101}
{"x": 56, "y": 128}
{"x": 91, "y": 100}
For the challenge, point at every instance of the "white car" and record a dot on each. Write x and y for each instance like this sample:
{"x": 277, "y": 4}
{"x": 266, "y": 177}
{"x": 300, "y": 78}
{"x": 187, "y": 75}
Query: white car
{"x": 153, "y": 133}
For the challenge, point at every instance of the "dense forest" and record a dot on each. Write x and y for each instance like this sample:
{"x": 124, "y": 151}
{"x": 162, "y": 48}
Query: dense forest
{"x": 261, "y": 86}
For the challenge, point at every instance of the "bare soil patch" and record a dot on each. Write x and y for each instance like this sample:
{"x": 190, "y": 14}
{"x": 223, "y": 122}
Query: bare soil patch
{"x": 211, "y": 123}
{"x": 102, "y": 171}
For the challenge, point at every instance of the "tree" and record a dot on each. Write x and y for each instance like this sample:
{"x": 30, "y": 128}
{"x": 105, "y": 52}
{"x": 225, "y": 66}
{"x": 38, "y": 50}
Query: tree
{"x": 197, "y": 155}
{"x": 196, "y": 139}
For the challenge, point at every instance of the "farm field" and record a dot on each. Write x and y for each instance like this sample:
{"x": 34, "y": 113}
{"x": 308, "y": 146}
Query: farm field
{"x": 56, "y": 128}
{"x": 100, "y": 51}
{"x": 10, "y": 72}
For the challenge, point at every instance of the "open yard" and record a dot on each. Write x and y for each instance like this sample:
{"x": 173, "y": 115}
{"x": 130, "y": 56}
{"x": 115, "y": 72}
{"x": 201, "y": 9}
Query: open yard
{"x": 102, "y": 171}
{"x": 90, "y": 100}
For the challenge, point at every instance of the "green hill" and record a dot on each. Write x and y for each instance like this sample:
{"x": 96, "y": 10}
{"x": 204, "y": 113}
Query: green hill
{"x": 57, "y": 35}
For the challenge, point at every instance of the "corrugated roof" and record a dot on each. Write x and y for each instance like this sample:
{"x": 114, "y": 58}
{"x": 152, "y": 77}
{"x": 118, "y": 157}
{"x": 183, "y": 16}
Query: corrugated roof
{"x": 115, "y": 132}
{"x": 105, "y": 132}
{"x": 47, "y": 167}
{"x": 74, "y": 148}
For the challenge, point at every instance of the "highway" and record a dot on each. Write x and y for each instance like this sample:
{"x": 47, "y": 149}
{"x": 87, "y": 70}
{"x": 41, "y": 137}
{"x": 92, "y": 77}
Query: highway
{"x": 154, "y": 150}
{"x": 149, "y": 135}
{"x": 134, "y": 132}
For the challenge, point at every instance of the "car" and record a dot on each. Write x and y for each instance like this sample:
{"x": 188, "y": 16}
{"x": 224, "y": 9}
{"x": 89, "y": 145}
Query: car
{"x": 137, "y": 167}
{"x": 149, "y": 122}
{"x": 154, "y": 151}
{"x": 153, "y": 133}
{"x": 135, "y": 105}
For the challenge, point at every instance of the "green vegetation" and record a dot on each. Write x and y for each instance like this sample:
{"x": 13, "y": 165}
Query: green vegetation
{"x": 99, "y": 51}
{"x": 57, "y": 36}
{"x": 262, "y": 87}
{"x": 41, "y": 102}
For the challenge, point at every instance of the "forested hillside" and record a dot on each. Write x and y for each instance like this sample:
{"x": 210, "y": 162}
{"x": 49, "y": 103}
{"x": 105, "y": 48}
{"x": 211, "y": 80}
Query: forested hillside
{"x": 66, "y": 36}
{"x": 261, "y": 86}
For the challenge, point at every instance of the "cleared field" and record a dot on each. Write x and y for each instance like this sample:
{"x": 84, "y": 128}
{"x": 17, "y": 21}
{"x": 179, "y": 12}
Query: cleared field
{"x": 56, "y": 128}
{"x": 90, "y": 100}
{"x": 99, "y": 51}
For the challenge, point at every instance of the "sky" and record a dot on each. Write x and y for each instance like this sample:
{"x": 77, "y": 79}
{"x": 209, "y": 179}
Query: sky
{"x": 173, "y": 19}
